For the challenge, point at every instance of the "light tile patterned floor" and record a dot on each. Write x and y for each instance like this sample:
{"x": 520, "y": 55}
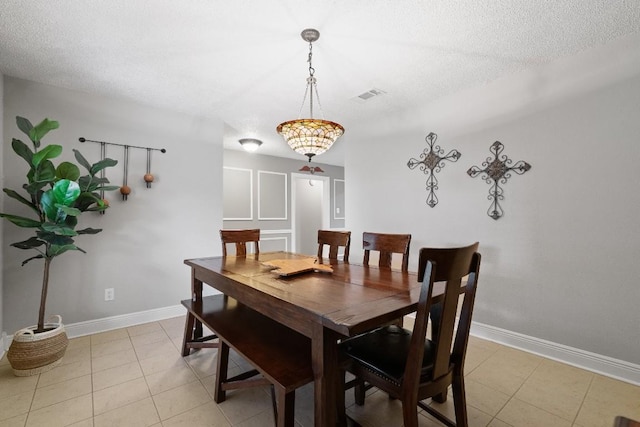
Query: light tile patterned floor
{"x": 136, "y": 377}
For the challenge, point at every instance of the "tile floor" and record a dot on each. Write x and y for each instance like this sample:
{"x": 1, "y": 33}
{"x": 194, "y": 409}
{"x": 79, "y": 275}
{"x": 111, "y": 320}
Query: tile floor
{"x": 136, "y": 377}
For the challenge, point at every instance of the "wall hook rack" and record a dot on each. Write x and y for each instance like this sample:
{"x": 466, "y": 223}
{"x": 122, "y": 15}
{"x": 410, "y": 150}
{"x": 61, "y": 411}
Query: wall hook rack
{"x": 148, "y": 177}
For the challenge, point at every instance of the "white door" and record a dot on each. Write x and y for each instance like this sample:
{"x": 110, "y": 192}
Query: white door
{"x": 310, "y": 211}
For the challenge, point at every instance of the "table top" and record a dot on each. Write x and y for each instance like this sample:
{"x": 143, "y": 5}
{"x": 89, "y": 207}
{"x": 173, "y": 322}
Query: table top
{"x": 350, "y": 300}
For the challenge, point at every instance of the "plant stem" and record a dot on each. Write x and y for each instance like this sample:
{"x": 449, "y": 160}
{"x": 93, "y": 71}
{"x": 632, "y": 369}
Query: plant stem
{"x": 43, "y": 297}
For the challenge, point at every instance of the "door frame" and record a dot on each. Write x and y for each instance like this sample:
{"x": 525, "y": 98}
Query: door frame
{"x": 326, "y": 202}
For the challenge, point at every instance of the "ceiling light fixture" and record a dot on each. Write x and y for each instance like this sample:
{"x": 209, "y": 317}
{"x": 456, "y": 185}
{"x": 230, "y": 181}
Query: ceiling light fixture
{"x": 310, "y": 136}
{"x": 250, "y": 144}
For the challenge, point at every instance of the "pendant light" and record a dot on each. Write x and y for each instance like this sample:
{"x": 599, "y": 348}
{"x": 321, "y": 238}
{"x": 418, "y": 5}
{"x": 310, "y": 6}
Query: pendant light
{"x": 309, "y": 136}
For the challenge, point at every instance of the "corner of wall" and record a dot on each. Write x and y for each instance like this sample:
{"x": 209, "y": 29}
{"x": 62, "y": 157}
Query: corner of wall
{"x": 2, "y": 205}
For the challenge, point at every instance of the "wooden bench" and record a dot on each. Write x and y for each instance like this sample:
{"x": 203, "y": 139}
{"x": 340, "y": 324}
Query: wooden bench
{"x": 280, "y": 354}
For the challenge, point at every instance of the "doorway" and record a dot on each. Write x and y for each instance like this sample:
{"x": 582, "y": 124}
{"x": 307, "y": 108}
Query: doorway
{"x": 310, "y": 211}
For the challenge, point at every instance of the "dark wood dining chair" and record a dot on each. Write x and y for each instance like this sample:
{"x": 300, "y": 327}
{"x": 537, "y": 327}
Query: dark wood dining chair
{"x": 240, "y": 238}
{"x": 193, "y": 334}
{"x": 334, "y": 240}
{"x": 386, "y": 245}
{"x": 404, "y": 363}
{"x": 621, "y": 421}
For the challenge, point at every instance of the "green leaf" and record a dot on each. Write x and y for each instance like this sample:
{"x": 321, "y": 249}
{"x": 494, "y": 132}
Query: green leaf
{"x": 46, "y": 173}
{"x": 31, "y": 259}
{"x": 100, "y": 181}
{"x": 41, "y": 129}
{"x": 54, "y": 239}
{"x": 24, "y": 125}
{"x": 14, "y": 195}
{"x": 80, "y": 158}
{"x": 86, "y": 200}
{"x": 56, "y": 250}
{"x": 48, "y": 205}
{"x": 90, "y": 231}
{"x": 33, "y": 242}
{"x": 67, "y": 170}
{"x": 69, "y": 210}
{"x": 86, "y": 183}
{"x": 22, "y": 150}
{"x": 22, "y": 221}
{"x": 66, "y": 192}
{"x": 35, "y": 187}
{"x": 102, "y": 164}
{"x": 108, "y": 188}
{"x": 71, "y": 222}
{"x": 49, "y": 152}
{"x": 59, "y": 229}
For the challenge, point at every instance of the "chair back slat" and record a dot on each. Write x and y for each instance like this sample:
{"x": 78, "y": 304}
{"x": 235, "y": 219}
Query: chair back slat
{"x": 386, "y": 245}
{"x": 458, "y": 355}
{"x": 449, "y": 265}
{"x": 240, "y": 238}
{"x": 335, "y": 240}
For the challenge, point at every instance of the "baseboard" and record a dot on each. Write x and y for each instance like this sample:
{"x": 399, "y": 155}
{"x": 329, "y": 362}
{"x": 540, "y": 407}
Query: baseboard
{"x": 608, "y": 366}
{"x": 125, "y": 320}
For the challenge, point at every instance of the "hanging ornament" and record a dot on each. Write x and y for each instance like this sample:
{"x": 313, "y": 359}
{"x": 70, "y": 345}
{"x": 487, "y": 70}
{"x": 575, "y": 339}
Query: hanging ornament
{"x": 148, "y": 177}
{"x": 103, "y": 155}
{"x": 125, "y": 190}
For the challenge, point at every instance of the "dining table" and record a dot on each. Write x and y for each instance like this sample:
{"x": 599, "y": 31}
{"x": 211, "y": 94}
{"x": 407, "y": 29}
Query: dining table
{"x": 325, "y": 306}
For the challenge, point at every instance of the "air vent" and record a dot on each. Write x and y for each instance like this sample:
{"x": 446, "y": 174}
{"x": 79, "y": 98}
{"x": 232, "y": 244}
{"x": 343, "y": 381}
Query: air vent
{"x": 370, "y": 94}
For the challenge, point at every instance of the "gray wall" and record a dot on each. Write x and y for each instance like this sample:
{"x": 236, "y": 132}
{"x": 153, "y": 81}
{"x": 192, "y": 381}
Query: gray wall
{"x": 1, "y": 202}
{"x": 272, "y": 229}
{"x": 561, "y": 265}
{"x": 140, "y": 253}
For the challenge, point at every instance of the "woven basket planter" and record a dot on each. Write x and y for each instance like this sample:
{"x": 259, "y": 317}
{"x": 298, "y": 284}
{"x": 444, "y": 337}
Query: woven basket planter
{"x": 31, "y": 353}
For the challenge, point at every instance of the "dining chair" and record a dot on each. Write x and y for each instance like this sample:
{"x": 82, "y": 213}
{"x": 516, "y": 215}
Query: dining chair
{"x": 334, "y": 240}
{"x": 407, "y": 365}
{"x": 193, "y": 334}
{"x": 240, "y": 238}
{"x": 386, "y": 245}
{"x": 621, "y": 421}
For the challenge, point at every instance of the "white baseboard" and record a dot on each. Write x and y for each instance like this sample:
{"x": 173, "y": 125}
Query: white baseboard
{"x": 608, "y": 366}
{"x": 115, "y": 322}
{"x": 105, "y": 324}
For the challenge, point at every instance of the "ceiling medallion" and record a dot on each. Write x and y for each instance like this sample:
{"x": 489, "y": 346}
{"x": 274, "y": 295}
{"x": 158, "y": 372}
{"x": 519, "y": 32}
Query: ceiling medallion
{"x": 309, "y": 136}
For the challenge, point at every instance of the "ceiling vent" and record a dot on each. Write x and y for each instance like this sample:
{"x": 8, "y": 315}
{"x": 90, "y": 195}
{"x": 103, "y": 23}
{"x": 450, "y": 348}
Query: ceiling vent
{"x": 368, "y": 95}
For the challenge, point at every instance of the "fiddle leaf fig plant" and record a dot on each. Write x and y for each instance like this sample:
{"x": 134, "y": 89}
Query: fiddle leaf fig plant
{"x": 57, "y": 196}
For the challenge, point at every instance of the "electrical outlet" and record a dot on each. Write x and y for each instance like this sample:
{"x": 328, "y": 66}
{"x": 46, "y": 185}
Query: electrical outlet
{"x": 109, "y": 294}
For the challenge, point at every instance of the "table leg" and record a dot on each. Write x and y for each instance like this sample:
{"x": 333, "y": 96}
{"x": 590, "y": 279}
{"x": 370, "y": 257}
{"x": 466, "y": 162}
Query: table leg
{"x": 324, "y": 355}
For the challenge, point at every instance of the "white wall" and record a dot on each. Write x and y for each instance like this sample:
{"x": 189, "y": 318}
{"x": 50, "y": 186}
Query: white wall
{"x": 561, "y": 265}
{"x": 140, "y": 253}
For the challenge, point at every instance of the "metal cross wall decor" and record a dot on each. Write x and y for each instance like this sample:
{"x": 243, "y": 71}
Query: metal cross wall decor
{"x": 498, "y": 171}
{"x": 431, "y": 163}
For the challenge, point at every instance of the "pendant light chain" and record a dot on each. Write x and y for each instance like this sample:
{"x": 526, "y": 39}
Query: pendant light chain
{"x": 311, "y": 81}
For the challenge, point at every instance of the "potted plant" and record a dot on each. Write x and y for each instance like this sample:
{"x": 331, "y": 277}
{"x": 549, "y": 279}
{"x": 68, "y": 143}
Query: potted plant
{"x": 57, "y": 196}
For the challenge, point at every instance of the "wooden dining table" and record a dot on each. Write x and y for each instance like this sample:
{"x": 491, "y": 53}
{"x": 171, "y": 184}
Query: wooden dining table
{"x": 324, "y": 306}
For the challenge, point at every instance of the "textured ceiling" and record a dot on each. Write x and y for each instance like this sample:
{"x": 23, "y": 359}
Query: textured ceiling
{"x": 244, "y": 61}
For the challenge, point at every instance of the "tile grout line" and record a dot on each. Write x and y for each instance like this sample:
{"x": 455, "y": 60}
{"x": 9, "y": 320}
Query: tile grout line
{"x": 593, "y": 377}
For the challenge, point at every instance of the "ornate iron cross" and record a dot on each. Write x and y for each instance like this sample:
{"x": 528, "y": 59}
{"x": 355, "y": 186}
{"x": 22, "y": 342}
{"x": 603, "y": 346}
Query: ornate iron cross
{"x": 432, "y": 162}
{"x": 498, "y": 171}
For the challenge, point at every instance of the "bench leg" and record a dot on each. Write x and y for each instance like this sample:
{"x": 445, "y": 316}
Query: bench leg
{"x": 221, "y": 374}
{"x": 188, "y": 333}
{"x": 286, "y": 404}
